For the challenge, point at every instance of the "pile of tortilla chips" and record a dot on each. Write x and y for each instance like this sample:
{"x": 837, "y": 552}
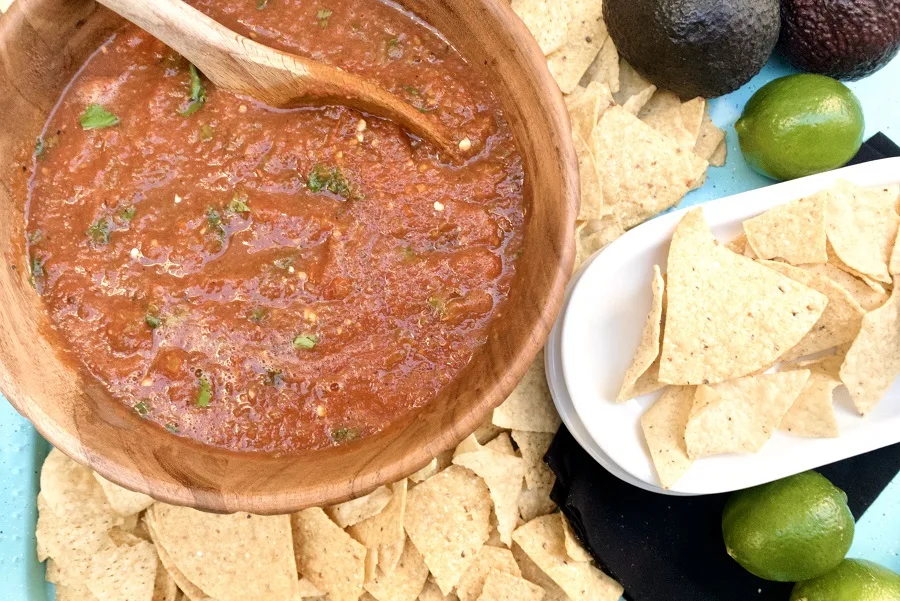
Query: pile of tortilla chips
{"x": 810, "y": 286}
{"x": 476, "y": 524}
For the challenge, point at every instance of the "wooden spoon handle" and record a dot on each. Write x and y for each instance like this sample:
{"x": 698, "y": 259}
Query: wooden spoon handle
{"x": 237, "y": 63}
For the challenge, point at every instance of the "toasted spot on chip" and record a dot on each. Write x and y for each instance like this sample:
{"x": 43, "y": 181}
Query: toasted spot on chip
{"x": 643, "y": 172}
{"x": 873, "y": 361}
{"x": 663, "y": 425}
{"x": 738, "y": 245}
{"x": 503, "y": 475}
{"x": 328, "y": 556}
{"x": 812, "y": 414}
{"x": 533, "y": 446}
{"x": 591, "y": 188}
{"x": 605, "y": 68}
{"x": 585, "y": 106}
{"x": 862, "y": 227}
{"x": 794, "y": 231}
{"x": 405, "y": 582}
{"x": 839, "y": 323}
{"x": 548, "y": 25}
{"x": 648, "y": 348}
{"x": 574, "y": 549}
{"x": 500, "y": 586}
{"x": 529, "y": 407}
{"x": 868, "y": 297}
{"x": 448, "y": 520}
{"x": 741, "y": 415}
{"x": 584, "y": 38}
{"x": 123, "y": 501}
{"x": 356, "y": 510}
{"x": 543, "y": 540}
{"x": 726, "y": 315}
{"x": 489, "y": 559}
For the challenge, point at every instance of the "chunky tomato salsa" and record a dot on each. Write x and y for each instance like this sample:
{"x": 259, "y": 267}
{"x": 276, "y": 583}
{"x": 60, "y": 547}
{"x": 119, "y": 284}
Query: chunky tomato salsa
{"x": 274, "y": 280}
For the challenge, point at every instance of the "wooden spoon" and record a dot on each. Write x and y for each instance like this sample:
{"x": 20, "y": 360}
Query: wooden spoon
{"x": 236, "y": 63}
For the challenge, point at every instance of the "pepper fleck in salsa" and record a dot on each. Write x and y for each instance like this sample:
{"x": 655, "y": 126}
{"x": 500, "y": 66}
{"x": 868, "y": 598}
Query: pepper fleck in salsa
{"x": 274, "y": 280}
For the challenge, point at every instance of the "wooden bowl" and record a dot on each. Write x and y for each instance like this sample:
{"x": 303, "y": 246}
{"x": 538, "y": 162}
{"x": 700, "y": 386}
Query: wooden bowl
{"x": 42, "y": 45}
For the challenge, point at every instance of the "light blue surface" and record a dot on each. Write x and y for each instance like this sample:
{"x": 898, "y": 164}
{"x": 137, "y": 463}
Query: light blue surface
{"x": 22, "y": 449}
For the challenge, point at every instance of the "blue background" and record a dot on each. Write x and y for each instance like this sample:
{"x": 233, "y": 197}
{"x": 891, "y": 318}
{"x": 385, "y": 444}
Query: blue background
{"x": 22, "y": 450}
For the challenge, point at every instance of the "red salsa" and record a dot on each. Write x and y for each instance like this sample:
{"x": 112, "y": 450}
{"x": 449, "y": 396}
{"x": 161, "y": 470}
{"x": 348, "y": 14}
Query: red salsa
{"x": 274, "y": 280}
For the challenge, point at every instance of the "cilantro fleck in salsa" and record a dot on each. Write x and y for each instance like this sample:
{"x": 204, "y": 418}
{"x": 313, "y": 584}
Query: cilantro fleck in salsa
{"x": 274, "y": 280}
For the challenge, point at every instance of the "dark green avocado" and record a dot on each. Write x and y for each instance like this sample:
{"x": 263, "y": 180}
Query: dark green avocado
{"x": 844, "y": 39}
{"x": 694, "y": 47}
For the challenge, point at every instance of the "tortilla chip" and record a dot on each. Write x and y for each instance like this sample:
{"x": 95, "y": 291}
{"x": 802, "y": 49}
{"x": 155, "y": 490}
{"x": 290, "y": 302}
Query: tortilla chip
{"x": 308, "y": 589}
{"x": 370, "y": 570}
{"x": 741, "y": 415}
{"x": 123, "y": 501}
{"x": 709, "y": 140}
{"x": 591, "y": 188}
{"x": 727, "y": 316}
{"x": 631, "y": 86}
{"x": 386, "y": 527}
{"x": 663, "y": 113}
{"x": 124, "y": 572}
{"x": 535, "y": 502}
{"x": 504, "y": 476}
{"x": 191, "y": 590}
{"x": 533, "y": 446}
{"x": 894, "y": 265}
{"x": 648, "y": 349}
{"x": 738, "y": 245}
{"x": 487, "y": 431}
{"x": 839, "y": 323}
{"x": 532, "y": 573}
{"x": 469, "y": 444}
{"x": 164, "y": 588}
{"x": 692, "y": 113}
{"x": 585, "y": 37}
{"x": 605, "y": 68}
{"x": 794, "y": 232}
{"x": 494, "y": 539}
{"x": 594, "y": 235}
{"x": 529, "y": 407}
{"x": 74, "y": 593}
{"x": 663, "y": 425}
{"x": 432, "y": 592}
{"x": 403, "y": 584}
{"x": 862, "y": 228}
{"x": 210, "y": 550}
{"x": 389, "y": 556}
{"x": 873, "y": 361}
{"x": 574, "y": 549}
{"x": 489, "y": 559}
{"x": 585, "y": 106}
{"x": 812, "y": 414}
{"x": 719, "y": 155}
{"x": 426, "y": 472}
{"x": 643, "y": 172}
{"x": 328, "y": 556}
{"x": 448, "y": 519}
{"x": 869, "y": 298}
{"x": 543, "y": 540}
{"x": 503, "y": 444}
{"x": 545, "y": 21}
{"x": 356, "y": 510}
{"x": 500, "y": 586}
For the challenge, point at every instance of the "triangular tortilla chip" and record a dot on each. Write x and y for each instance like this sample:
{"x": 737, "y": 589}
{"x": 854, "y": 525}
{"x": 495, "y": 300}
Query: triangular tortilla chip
{"x": 543, "y": 540}
{"x": 124, "y": 572}
{"x": 585, "y": 106}
{"x": 873, "y": 361}
{"x": 862, "y": 226}
{"x": 405, "y": 582}
{"x": 122, "y": 500}
{"x": 504, "y": 475}
{"x": 328, "y": 556}
{"x": 432, "y": 592}
{"x": 469, "y": 444}
{"x": 591, "y": 188}
{"x": 593, "y": 235}
{"x": 643, "y": 172}
{"x": 605, "y": 68}
{"x": 503, "y": 443}
{"x": 356, "y": 510}
{"x": 709, "y": 139}
{"x": 648, "y": 349}
{"x": 500, "y": 586}
{"x": 812, "y": 414}
{"x": 389, "y": 556}
{"x": 839, "y": 323}
{"x": 869, "y": 298}
{"x": 574, "y": 548}
{"x": 794, "y": 232}
{"x": 894, "y": 266}
{"x": 532, "y": 573}
{"x": 741, "y": 415}
{"x": 535, "y": 502}
{"x": 533, "y": 446}
{"x": 489, "y": 559}
{"x": 386, "y": 527}
{"x": 692, "y": 112}
{"x": 719, "y": 155}
{"x": 448, "y": 519}
{"x": 546, "y": 22}
{"x": 585, "y": 37}
{"x": 191, "y": 590}
{"x": 632, "y": 84}
{"x": 529, "y": 407}
{"x": 727, "y": 315}
{"x": 663, "y": 425}
{"x": 210, "y": 550}
{"x": 663, "y": 113}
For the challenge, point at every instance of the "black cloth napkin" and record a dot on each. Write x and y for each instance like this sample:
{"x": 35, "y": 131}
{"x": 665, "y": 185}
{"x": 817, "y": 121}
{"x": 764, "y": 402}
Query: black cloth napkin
{"x": 664, "y": 548}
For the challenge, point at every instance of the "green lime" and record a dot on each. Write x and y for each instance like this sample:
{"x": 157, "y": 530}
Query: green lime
{"x": 852, "y": 580}
{"x": 799, "y": 125}
{"x": 788, "y": 530}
